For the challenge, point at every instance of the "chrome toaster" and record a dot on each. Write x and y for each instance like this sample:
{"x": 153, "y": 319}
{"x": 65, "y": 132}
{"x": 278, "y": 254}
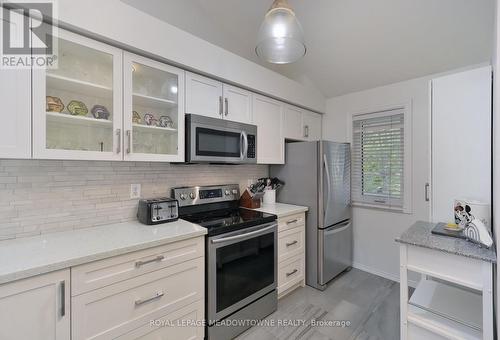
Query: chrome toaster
{"x": 158, "y": 210}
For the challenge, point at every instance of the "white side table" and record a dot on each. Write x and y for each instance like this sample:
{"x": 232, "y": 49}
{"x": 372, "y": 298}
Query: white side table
{"x": 451, "y": 262}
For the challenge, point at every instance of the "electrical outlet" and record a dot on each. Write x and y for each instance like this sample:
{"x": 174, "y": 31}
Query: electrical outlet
{"x": 135, "y": 191}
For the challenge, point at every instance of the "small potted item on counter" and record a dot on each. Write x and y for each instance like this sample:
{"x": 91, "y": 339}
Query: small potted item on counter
{"x": 136, "y": 117}
{"x": 77, "y": 108}
{"x": 100, "y": 112}
{"x": 54, "y": 104}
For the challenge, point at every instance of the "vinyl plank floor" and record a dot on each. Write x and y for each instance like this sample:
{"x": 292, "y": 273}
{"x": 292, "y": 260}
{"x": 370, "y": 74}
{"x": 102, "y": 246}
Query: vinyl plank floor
{"x": 355, "y": 306}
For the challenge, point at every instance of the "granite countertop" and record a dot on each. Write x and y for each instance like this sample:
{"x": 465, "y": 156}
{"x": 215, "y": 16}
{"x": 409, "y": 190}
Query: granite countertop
{"x": 30, "y": 256}
{"x": 282, "y": 209}
{"x": 419, "y": 234}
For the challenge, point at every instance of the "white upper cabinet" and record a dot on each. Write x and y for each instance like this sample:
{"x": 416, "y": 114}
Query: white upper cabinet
{"x": 36, "y": 308}
{"x": 203, "y": 96}
{"x": 211, "y": 98}
{"x": 237, "y": 104}
{"x": 153, "y": 110}
{"x": 300, "y": 124}
{"x": 292, "y": 123}
{"x": 268, "y": 116}
{"x": 77, "y": 107}
{"x": 15, "y": 130}
{"x": 15, "y": 96}
{"x": 311, "y": 123}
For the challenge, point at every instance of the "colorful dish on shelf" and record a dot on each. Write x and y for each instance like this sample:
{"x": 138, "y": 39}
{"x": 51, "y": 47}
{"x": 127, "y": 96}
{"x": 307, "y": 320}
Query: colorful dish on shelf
{"x": 166, "y": 122}
{"x": 77, "y": 108}
{"x": 150, "y": 120}
{"x": 136, "y": 117}
{"x": 100, "y": 112}
{"x": 54, "y": 104}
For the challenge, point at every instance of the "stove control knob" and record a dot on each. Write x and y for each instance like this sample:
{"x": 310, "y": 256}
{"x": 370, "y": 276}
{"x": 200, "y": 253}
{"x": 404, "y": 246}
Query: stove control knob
{"x": 235, "y": 192}
{"x": 192, "y": 195}
{"x": 182, "y": 197}
{"x": 227, "y": 192}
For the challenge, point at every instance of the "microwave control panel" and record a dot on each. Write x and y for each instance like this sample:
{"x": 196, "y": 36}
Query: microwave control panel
{"x": 251, "y": 146}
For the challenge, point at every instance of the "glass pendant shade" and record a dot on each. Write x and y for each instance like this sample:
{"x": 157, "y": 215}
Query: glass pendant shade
{"x": 281, "y": 39}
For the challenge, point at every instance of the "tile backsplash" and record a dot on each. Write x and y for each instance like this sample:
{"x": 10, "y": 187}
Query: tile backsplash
{"x": 41, "y": 196}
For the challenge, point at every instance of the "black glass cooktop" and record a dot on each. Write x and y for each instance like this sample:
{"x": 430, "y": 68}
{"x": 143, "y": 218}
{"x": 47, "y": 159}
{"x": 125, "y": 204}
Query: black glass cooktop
{"x": 227, "y": 220}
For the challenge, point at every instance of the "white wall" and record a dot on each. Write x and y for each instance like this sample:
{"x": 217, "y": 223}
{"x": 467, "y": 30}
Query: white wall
{"x": 375, "y": 230}
{"x": 119, "y": 22}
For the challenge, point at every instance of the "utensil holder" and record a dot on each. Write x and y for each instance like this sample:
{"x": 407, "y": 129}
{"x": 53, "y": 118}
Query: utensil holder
{"x": 269, "y": 196}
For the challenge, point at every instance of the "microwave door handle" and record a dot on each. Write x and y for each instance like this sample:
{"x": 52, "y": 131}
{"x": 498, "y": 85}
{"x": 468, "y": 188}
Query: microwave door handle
{"x": 242, "y": 147}
{"x": 245, "y": 145}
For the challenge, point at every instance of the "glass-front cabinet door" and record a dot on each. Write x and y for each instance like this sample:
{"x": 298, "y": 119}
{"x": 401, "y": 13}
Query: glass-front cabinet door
{"x": 153, "y": 110}
{"x": 77, "y": 106}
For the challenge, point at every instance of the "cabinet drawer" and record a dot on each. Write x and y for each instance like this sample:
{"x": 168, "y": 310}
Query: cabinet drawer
{"x": 103, "y": 273}
{"x": 290, "y": 243}
{"x": 120, "y": 308}
{"x": 183, "y": 324}
{"x": 290, "y": 272}
{"x": 292, "y": 221}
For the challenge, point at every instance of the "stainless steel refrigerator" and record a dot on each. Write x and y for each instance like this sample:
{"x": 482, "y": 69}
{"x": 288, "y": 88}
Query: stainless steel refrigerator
{"x": 318, "y": 175}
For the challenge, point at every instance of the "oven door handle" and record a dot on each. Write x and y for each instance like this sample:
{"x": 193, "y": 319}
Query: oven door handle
{"x": 243, "y": 236}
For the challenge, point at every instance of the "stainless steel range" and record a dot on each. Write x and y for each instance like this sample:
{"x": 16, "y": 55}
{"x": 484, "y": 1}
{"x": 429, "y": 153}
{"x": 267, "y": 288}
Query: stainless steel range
{"x": 241, "y": 257}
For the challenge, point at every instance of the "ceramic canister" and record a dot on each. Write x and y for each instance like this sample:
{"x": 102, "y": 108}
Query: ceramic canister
{"x": 474, "y": 209}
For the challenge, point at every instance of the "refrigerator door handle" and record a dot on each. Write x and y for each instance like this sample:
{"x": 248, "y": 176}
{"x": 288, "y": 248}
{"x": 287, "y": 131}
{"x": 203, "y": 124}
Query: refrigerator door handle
{"x": 338, "y": 228}
{"x": 328, "y": 185}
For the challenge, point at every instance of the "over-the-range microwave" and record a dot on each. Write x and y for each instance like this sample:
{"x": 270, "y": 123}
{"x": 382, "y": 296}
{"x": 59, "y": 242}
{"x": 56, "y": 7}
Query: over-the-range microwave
{"x": 213, "y": 140}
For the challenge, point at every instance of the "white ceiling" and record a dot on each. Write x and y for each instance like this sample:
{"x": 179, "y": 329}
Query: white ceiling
{"x": 352, "y": 44}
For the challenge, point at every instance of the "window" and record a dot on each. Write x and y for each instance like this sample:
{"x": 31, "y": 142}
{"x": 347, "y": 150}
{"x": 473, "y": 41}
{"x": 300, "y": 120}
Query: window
{"x": 379, "y": 142}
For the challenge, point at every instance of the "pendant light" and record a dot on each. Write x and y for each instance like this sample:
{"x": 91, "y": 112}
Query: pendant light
{"x": 281, "y": 39}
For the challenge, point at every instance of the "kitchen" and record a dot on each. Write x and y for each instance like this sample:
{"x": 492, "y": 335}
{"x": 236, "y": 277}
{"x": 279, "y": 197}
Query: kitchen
{"x": 124, "y": 118}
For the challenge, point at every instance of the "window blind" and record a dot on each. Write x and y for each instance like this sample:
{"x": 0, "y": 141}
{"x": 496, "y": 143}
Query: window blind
{"x": 378, "y": 158}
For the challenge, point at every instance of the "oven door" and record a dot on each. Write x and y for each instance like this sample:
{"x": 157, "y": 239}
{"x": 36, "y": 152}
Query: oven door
{"x": 241, "y": 268}
{"x": 218, "y": 141}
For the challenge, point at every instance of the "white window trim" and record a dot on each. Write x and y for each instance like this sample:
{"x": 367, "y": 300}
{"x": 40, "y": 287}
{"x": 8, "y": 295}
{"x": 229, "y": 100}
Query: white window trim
{"x": 407, "y": 107}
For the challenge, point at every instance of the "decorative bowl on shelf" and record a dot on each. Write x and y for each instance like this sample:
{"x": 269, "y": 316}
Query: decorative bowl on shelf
{"x": 150, "y": 120}
{"x": 166, "y": 122}
{"x": 136, "y": 117}
{"x": 54, "y": 104}
{"x": 77, "y": 108}
{"x": 100, "y": 112}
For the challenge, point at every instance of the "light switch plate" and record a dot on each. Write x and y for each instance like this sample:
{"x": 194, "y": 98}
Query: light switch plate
{"x": 135, "y": 191}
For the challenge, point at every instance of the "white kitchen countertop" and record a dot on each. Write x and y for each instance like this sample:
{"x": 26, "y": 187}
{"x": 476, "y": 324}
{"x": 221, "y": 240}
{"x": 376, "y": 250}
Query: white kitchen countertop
{"x": 30, "y": 256}
{"x": 282, "y": 209}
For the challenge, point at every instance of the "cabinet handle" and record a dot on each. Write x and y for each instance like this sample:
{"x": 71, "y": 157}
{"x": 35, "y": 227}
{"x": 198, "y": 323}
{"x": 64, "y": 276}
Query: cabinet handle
{"x": 427, "y": 187}
{"x": 157, "y": 295}
{"x": 292, "y": 243}
{"x": 129, "y": 141}
{"x": 119, "y": 135}
{"x": 227, "y": 106}
{"x": 156, "y": 259}
{"x": 221, "y": 106}
{"x": 292, "y": 221}
{"x": 62, "y": 292}
{"x": 291, "y": 273}
{"x": 306, "y": 131}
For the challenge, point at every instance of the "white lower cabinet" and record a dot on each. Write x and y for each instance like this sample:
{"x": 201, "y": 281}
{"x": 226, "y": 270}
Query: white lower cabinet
{"x": 159, "y": 296}
{"x": 182, "y": 324}
{"x": 36, "y": 308}
{"x": 291, "y": 253}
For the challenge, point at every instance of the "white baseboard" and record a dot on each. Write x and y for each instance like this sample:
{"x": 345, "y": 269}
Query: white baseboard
{"x": 381, "y": 273}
